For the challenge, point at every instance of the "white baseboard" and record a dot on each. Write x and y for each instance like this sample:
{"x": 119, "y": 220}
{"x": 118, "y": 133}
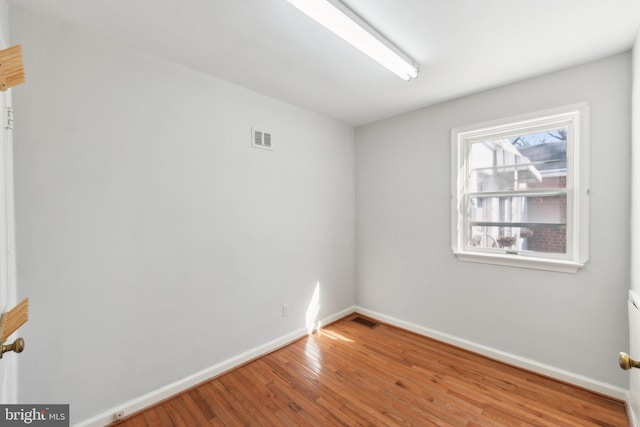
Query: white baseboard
{"x": 633, "y": 421}
{"x": 511, "y": 359}
{"x": 169, "y": 390}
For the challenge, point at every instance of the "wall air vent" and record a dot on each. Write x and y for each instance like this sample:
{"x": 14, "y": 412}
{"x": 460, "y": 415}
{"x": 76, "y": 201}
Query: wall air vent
{"x": 260, "y": 139}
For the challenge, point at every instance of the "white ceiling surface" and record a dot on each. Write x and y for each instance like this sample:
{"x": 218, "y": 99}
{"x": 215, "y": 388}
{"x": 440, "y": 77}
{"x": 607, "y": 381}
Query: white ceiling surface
{"x": 462, "y": 46}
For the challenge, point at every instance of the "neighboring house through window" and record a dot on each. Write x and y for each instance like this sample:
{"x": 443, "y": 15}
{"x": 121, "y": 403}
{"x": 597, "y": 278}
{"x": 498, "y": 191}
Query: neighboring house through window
{"x": 520, "y": 190}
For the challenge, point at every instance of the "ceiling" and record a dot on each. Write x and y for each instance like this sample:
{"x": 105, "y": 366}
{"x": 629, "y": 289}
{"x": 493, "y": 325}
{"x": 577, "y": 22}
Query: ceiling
{"x": 462, "y": 46}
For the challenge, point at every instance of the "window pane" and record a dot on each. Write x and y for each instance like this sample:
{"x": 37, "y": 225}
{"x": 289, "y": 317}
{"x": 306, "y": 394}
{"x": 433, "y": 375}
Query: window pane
{"x": 521, "y": 177}
{"x": 530, "y": 161}
{"x": 538, "y": 238}
{"x": 518, "y": 210}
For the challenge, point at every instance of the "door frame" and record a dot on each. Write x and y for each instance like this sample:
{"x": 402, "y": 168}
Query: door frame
{"x": 8, "y": 282}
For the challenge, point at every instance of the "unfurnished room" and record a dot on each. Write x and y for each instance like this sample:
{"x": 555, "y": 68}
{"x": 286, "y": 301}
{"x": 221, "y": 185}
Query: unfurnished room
{"x": 320, "y": 212}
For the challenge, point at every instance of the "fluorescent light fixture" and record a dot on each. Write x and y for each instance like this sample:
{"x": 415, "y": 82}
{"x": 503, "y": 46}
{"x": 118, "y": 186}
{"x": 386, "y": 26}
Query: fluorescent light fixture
{"x": 342, "y": 21}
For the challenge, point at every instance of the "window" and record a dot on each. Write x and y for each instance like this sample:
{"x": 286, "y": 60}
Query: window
{"x": 520, "y": 190}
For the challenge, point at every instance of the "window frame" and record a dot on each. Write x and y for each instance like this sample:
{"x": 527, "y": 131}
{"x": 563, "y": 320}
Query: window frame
{"x": 576, "y": 118}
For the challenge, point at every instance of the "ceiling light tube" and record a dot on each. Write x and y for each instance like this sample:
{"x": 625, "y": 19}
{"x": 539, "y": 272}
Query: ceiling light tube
{"x": 342, "y": 21}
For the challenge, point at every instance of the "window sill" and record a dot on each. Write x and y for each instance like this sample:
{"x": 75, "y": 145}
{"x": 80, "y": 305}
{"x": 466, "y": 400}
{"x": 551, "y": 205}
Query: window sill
{"x": 556, "y": 265}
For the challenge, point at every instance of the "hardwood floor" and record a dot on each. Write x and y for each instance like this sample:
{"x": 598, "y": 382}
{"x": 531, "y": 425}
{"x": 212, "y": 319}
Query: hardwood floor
{"x": 354, "y": 375}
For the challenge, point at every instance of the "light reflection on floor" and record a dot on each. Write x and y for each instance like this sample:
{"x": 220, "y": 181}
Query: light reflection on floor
{"x": 312, "y": 350}
{"x": 313, "y": 355}
{"x": 334, "y": 335}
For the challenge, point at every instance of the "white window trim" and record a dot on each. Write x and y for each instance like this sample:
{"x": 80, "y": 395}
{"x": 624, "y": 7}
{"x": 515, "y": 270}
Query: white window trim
{"x": 577, "y": 189}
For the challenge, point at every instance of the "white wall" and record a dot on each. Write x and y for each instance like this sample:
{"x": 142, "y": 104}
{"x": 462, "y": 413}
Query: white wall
{"x": 405, "y": 269}
{"x": 153, "y": 240}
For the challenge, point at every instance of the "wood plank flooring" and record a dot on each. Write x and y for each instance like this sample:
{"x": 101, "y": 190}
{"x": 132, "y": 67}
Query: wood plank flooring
{"x": 349, "y": 374}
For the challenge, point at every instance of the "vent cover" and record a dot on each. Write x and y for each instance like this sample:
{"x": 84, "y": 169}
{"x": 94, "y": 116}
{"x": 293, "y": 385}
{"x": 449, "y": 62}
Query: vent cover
{"x": 260, "y": 139}
{"x": 366, "y": 322}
